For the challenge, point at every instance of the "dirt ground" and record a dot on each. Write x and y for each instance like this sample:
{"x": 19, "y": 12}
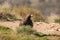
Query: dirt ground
{"x": 51, "y": 28}
{"x": 12, "y": 25}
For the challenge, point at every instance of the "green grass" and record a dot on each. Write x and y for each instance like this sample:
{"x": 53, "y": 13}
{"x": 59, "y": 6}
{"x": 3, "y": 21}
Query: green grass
{"x": 23, "y": 33}
{"x": 25, "y": 29}
{"x": 4, "y": 28}
{"x": 57, "y": 20}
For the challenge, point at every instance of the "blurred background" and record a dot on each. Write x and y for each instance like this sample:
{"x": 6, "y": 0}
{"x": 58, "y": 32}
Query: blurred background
{"x": 50, "y": 9}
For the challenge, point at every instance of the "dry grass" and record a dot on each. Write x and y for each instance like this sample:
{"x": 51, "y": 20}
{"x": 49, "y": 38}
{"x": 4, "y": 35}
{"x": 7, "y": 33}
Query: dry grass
{"x": 52, "y": 17}
{"x": 22, "y": 12}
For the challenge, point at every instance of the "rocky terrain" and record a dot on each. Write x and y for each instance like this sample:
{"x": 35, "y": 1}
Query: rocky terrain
{"x": 51, "y": 28}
